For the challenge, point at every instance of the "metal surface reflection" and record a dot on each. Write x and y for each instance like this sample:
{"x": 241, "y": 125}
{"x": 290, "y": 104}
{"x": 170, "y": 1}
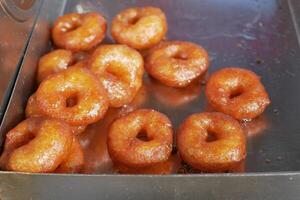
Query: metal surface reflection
{"x": 14, "y": 36}
{"x": 258, "y": 35}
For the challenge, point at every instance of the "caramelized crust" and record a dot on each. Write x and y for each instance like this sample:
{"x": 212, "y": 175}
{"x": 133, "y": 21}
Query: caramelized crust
{"x": 139, "y": 28}
{"x": 74, "y": 96}
{"x": 126, "y": 148}
{"x": 224, "y": 153}
{"x": 36, "y": 145}
{"x": 77, "y": 32}
{"x": 119, "y": 69}
{"x": 176, "y": 63}
{"x": 237, "y": 92}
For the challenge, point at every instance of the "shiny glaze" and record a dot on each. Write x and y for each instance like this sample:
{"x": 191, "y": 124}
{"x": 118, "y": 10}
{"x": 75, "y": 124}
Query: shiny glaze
{"x": 33, "y": 110}
{"x": 176, "y": 63}
{"x": 53, "y": 62}
{"x": 140, "y": 28}
{"x": 225, "y": 153}
{"x": 91, "y": 99}
{"x": 167, "y": 167}
{"x": 73, "y": 163}
{"x": 173, "y": 97}
{"x": 251, "y": 101}
{"x": 78, "y": 32}
{"x": 36, "y": 145}
{"x": 120, "y": 70}
{"x": 124, "y": 146}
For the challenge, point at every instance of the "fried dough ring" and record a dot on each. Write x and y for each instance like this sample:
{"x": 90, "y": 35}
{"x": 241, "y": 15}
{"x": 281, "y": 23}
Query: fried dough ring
{"x": 126, "y": 148}
{"x": 120, "y": 70}
{"x": 139, "y": 28}
{"x": 77, "y": 32}
{"x": 36, "y": 145}
{"x": 91, "y": 102}
{"x": 222, "y": 154}
{"x": 177, "y": 63}
{"x": 237, "y": 92}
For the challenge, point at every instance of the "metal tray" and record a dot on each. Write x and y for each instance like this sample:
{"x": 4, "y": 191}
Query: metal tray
{"x": 16, "y": 23}
{"x": 261, "y": 35}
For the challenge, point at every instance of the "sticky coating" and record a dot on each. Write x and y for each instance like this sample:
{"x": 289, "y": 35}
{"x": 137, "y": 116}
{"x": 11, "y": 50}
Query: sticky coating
{"x": 174, "y": 97}
{"x": 126, "y": 148}
{"x": 139, "y": 28}
{"x": 120, "y": 70}
{"x": 73, "y": 163}
{"x": 167, "y": 167}
{"x": 36, "y": 145}
{"x": 237, "y": 92}
{"x": 176, "y": 63}
{"x": 224, "y": 153}
{"x": 53, "y": 62}
{"x": 33, "y": 110}
{"x": 90, "y": 101}
{"x": 77, "y": 32}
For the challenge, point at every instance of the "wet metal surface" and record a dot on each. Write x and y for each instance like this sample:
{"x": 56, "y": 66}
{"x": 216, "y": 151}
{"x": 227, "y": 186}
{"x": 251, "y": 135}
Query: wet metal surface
{"x": 13, "y": 40}
{"x": 256, "y": 34}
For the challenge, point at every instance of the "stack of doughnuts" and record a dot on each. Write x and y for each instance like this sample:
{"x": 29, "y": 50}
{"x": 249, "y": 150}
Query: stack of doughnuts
{"x": 82, "y": 78}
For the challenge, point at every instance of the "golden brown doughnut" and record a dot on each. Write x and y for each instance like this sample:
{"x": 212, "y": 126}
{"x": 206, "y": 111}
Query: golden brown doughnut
{"x": 76, "y": 84}
{"x": 139, "y": 28}
{"x": 224, "y": 153}
{"x": 176, "y": 63}
{"x": 36, "y": 145}
{"x": 120, "y": 70}
{"x": 237, "y": 92}
{"x": 77, "y": 32}
{"x": 125, "y": 146}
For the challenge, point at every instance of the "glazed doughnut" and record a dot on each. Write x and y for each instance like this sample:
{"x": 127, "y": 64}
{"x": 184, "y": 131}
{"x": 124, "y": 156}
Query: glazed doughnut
{"x": 53, "y": 62}
{"x": 77, "y": 32}
{"x": 237, "y": 92}
{"x": 224, "y": 153}
{"x": 120, "y": 70}
{"x": 75, "y": 83}
{"x": 176, "y": 63}
{"x": 36, "y": 145}
{"x": 74, "y": 161}
{"x": 125, "y": 146}
{"x": 33, "y": 110}
{"x": 139, "y": 28}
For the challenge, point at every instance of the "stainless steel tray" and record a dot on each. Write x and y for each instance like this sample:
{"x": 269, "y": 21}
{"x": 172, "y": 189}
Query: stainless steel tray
{"x": 16, "y": 23}
{"x": 261, "y": 35}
